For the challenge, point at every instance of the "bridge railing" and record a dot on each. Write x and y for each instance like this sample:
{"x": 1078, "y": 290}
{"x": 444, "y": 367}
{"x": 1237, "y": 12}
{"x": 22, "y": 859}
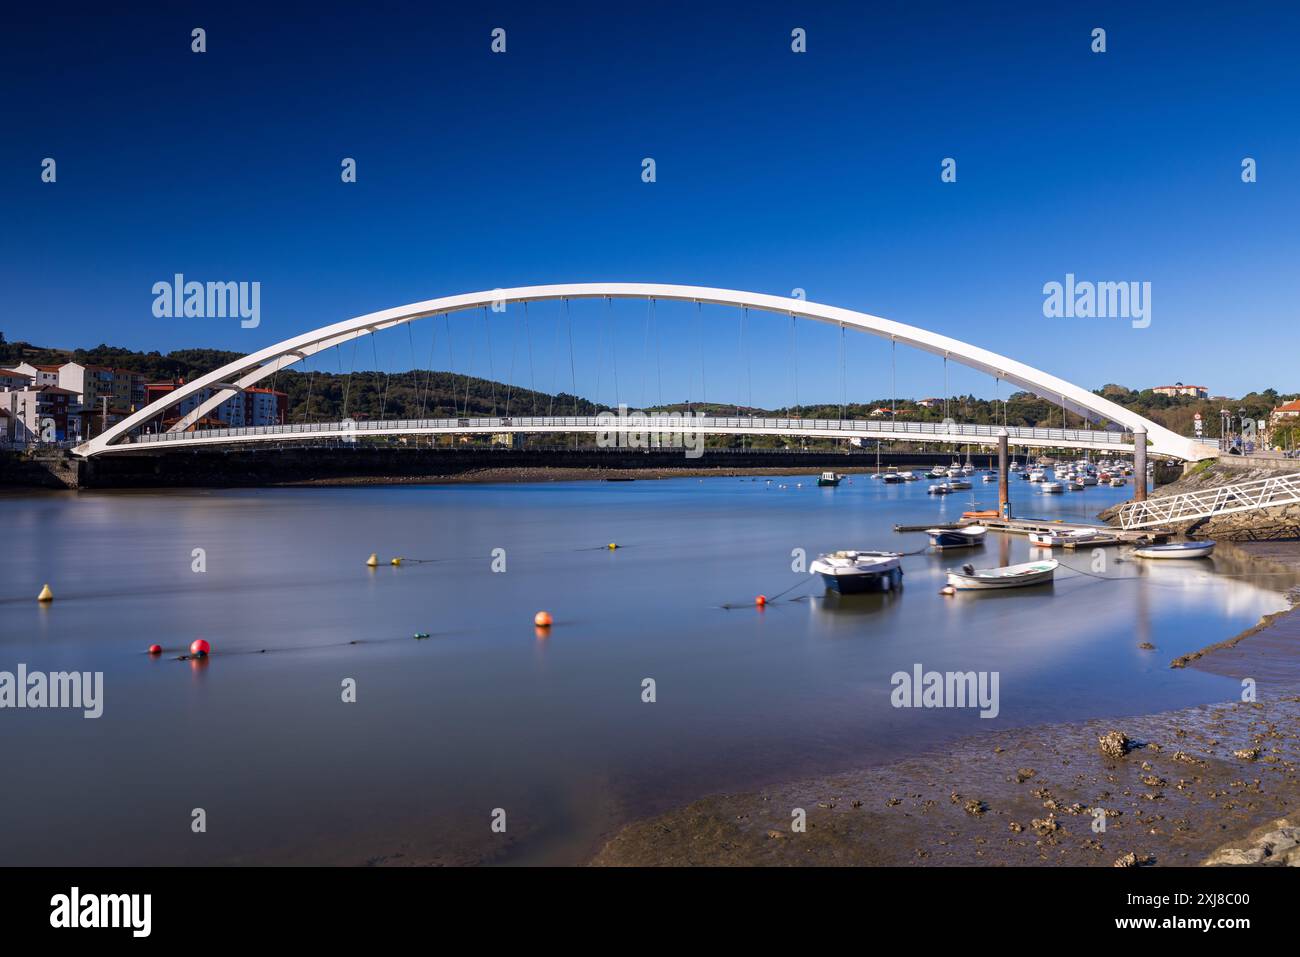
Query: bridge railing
{"x": 853, "y": 427}
{"x": 1206, "y": 503}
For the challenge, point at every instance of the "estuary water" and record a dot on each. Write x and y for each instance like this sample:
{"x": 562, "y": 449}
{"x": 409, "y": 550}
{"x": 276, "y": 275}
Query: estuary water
{"x": 489, "y": 720}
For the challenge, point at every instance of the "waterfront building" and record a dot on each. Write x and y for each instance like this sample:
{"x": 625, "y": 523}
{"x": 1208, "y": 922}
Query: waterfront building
{"x": 11, "y": 379}
{"x": 252, "y": 407}
{"x": 1195, "y": 391}
{"x": 41, "y": 375}
{"x": 265, "y": 407}
{"x": 32, "y": 409}
{"x": 1288, "y": 410}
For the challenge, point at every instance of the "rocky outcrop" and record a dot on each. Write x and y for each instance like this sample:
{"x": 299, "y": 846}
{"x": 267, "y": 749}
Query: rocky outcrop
{"x": 1275, "y": 843}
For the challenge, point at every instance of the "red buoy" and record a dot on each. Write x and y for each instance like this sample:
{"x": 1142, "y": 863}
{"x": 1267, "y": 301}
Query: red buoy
{"x": 199, "y": 647}
{"x": 542, "y": 619}
{"x": 760, "y": 601}
{"x": 155, "y": 649}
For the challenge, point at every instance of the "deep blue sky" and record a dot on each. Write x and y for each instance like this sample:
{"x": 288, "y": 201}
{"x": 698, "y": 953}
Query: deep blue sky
{"x": 775, "y": 170}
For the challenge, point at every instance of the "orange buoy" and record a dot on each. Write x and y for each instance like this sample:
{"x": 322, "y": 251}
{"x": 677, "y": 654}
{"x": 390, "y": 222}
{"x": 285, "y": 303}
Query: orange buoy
{"x": 947, "y": 590}
{"x": 760, "y": 601}
{"x": 155, "y": 649}
{"x": 199, "y": 647}
{"x": 542, "y": 619}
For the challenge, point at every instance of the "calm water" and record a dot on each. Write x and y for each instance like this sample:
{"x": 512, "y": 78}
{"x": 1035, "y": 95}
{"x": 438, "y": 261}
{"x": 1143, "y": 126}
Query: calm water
{"x": 485, "y": 714}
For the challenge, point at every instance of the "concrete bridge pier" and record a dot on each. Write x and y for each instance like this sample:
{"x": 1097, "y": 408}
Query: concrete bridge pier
{"x": 1140, "y": 463}
{"x": 1004, "y": 484}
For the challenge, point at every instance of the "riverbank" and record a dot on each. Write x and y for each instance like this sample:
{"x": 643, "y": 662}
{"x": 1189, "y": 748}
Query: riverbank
{"x": 366, "y": 465}
{"x": 1182, "y": 787}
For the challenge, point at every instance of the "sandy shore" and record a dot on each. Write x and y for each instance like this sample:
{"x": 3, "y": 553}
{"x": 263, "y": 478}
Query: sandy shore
{"x": 1183, "y": 785}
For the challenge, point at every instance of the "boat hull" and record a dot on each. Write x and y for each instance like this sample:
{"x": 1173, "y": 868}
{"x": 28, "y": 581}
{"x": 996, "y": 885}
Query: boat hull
{"x": 1176, "y": 551}
{"x": 859, "y": 583}
{"x": 1024, "y": 576}
{"x": 954, "y": 538}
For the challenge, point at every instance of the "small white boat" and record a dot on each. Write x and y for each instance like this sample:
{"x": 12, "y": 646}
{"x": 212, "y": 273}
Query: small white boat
{"x": 1076, "y": 485}
{"x": 1058, "y": 537}
{"x": 891, "y": 478}
{"x": 1051, "y": 488}
{"x": 965, "y": 537}
{"x": 937, "y": 472}
{"x": 852, "y": 572}
{"x": 1090, "y": 480}
{"x": 1118, "y": 482}
{"x": 990, "y": 478}
{"x": 1176, "y": 550}
{"x": 958, "y": 484}
{"x": 1009, "y": 576}
{"x": 939, "y": 488}
{"x": 908, "y": 476}
{"x": 1037, "y": 475}
{"x": 829, "y": 478}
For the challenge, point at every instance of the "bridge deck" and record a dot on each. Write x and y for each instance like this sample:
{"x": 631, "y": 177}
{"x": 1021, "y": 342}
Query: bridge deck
{"x": 656, "y": 432}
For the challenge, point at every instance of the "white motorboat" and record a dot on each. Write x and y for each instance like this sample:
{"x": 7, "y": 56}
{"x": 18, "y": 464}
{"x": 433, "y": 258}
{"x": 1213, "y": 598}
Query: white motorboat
{"x": 939, "y": 488}
{"x": 851, "y": 572}
{"x": 958, "y": 484}
{"x": 908, "y": 476}
{"x": 1076, "y": 485}
{"x": 1009, "y": 576}
{"x": 1058, "y": 537}
{"x": 1089, "y": 479}
{"x": 965, "y": 537}
{"x": 989, "y": 477}
{"x": 891, "y": 478}
{"x": 1051, "y": 488}
{"x": 1176, "y": 550}
{"x": 831, "y": 479}
{"x": 1118, "y": 482}
{"x": 1037, "y": 475}
{"x": 937, "y": 472}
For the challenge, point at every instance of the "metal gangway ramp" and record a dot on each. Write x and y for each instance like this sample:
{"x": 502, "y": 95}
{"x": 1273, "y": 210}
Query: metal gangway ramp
{"x": 1207, "y": 503}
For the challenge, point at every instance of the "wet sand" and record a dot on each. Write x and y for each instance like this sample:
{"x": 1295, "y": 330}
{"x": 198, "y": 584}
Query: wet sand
{"x": 1183, "y": 784}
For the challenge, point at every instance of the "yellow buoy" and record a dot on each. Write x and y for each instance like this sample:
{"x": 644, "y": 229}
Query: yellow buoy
{"x": 613, "y": 545}
{"x": 373, "y": 560}
{"x": 46, "y": 594}
{"x": 395, "y": 561}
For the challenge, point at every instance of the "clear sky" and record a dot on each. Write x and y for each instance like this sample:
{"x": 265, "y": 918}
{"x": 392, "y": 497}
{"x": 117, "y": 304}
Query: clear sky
{"x": 775, "y": 170}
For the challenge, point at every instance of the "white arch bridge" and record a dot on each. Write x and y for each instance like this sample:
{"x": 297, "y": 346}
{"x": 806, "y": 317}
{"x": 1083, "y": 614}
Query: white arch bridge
{"x": 224, "y": 383}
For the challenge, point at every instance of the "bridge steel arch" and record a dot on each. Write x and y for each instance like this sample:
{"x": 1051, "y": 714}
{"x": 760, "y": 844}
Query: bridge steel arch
{"x": 252, "y": 368}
